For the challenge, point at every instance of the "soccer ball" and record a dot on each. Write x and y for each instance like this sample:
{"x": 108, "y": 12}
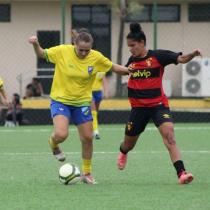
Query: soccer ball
{"x": 69, "y": 174}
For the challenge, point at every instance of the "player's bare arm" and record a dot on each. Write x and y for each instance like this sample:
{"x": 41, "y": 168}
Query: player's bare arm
{"x": 4, "y": 99}
{"x": 120, "y": 69}
{"x": 188, "y": 57}
{"x": 37, "y": 48}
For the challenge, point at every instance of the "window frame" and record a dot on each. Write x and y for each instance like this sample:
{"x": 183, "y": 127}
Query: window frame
{"x": 150, "y": 14}
{"x": 7, "y": 16}
{"x": 42, "y": 64}
{"x": 91, "y": 26}
{"x": 192, "y": 19}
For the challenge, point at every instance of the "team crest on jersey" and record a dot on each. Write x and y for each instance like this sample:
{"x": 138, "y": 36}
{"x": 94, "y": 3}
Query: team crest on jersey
{"x": 90, "y": 69}
{"x": 149, "y": 61}
{"x": 129, "y": 126}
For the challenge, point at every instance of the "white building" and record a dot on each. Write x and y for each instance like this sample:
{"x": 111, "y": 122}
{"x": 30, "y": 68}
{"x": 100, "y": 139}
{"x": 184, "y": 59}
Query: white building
{"x": 184, "y": 26}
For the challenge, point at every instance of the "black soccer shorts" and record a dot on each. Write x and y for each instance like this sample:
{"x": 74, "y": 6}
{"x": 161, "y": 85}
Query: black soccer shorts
{"x": 140, "y": 116}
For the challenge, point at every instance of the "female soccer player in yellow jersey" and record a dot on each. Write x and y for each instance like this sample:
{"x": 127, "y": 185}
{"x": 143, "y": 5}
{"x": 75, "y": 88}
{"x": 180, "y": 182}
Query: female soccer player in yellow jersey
{"x": 99, "y": 89}
{"x": 76, "y": 67}
{"x": 3, "y": 97}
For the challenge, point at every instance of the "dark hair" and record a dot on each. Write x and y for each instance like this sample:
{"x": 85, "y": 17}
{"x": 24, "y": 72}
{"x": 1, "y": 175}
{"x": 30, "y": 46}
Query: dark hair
{"x": 35, "y": 79}
{"x": 136, "y": 33}
{"x": 16, "y": 98}
{"x": 84, "y": 35}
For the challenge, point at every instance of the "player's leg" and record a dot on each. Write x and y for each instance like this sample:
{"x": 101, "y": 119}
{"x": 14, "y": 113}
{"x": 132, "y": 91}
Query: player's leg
{"x": 95, "y": 120}
{"x": 97, "y": 97}
{"x": 164, "y": 122}
{"x": 60, "y": 114}
{"x": 127, "y": 145}
{"x": 167, "y": 133}
{"x": 136, "y": 124}
{"x": 83, "y": 119}
{"x": 85, "y": 133}
{"x": 59, "y": 134}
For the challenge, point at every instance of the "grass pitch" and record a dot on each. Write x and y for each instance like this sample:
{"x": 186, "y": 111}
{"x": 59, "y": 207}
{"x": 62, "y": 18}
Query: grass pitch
{"x": 29, "y": 173}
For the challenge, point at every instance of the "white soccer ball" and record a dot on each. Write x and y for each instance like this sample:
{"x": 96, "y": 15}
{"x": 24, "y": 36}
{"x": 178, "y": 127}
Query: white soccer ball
{"x": 69, "y": 174}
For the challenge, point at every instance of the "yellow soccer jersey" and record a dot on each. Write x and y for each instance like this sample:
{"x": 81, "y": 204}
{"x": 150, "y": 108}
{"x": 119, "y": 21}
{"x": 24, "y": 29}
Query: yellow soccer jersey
{"x": 74, "y": 77}
{"x": 1, "y": 83}
{"x": 98, "y": 83}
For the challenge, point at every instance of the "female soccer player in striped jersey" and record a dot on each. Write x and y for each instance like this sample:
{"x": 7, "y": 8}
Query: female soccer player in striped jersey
{"x": 76, "y": 67}
{"x": 147, "y": 98}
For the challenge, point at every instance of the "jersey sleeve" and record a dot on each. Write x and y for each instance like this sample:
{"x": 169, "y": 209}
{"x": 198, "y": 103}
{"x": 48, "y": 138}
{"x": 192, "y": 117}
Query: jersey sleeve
{"x": 51, "y": 54}
{"x": 129, "y": 62}
{"x": 103, "y": 64}
{"x": 166, "y": 57}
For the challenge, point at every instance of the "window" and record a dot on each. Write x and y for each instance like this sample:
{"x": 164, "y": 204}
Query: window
{"x": 199, "y": 12}
{"x": 168, "y": 13}
{"x": 5, "y": 15}
{"x": 142, "y": 13}
{"x": 47, "y": 39}
{"x": 96, "y": 18}
{"x": 165, "y": 13}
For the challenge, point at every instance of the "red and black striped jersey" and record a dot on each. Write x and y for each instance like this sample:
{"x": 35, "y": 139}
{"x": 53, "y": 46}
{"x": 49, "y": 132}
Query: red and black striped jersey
{"x": 145, "y": 87}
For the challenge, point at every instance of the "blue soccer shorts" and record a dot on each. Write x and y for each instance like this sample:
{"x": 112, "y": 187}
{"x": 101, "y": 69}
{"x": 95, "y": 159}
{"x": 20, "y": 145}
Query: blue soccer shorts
{"x": 97, "y": 96}
{"x": 77, "y": 115}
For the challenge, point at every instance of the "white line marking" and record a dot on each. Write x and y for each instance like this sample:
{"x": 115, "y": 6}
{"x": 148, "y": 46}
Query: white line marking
{"x": 100, "y": 152}
{"x": 194, "y": 128}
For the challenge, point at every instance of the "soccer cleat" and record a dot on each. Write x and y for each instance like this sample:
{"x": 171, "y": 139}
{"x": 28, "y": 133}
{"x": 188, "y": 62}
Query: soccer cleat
{"x": 121, "y": 161}
{"x": 97, "y": 137}
{"x": 59, "y": 155}
{"x": 185, "y": 178}
{"x": 88, "y": 179}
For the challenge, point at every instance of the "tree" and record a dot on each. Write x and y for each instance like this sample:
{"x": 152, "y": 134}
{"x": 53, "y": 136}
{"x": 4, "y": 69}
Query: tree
{"x": 124, "y": 7}
{"x": 121, "y": 6}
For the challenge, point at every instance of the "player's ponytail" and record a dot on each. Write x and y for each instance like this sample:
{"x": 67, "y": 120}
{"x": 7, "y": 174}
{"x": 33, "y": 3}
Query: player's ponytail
{"x": 136, "y": 33}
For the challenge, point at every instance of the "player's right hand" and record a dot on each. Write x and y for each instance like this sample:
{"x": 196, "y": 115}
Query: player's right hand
{"x": 130, "y": 67}
{"x": 33, "y": 40}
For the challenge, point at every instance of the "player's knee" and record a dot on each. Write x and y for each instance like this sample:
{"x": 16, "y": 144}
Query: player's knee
{"x": 170, "y": 139}
{"x": 61, "y": 135}
{"x": 87, "y": 138}
{"x": 87, "y": 142}
{"x": 168, "y": 136}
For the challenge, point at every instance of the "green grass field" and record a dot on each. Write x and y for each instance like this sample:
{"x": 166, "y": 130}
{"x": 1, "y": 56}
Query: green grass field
{"x": 29, "y": 173}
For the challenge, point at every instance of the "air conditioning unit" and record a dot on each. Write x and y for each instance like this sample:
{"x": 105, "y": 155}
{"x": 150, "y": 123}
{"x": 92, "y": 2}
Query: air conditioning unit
{"x": 196, "y": 78}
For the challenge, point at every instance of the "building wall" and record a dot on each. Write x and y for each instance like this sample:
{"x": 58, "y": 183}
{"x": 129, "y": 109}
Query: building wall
{"x": 17, "y": 56}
